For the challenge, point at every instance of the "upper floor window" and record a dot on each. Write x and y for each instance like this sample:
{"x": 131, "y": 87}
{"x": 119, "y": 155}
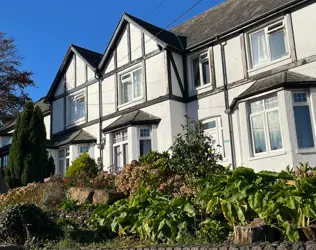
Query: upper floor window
{"x": 303, "y": 124}
{"x": 201, "y": 70}
{"x": 131, "y": 86}
{"x": 265, "y": 125}
{"x": 77, "y": 107}
{"x": 268, "y": 44}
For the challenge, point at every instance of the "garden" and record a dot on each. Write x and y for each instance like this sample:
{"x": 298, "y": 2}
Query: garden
{"x": 182, "y": 196}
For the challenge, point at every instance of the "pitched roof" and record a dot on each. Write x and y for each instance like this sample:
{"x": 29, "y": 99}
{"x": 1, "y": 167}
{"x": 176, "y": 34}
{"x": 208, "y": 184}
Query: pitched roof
{"x": 93, "y": 58}
{"x": 137, "y": 117}
{"x": 90, "y": 57}
{"x": 165, "y": 36}
{"x": 45, "y": 108}
{"x": 225, "y": 18}
{"x": 285, "y": 79}
{"x": 79, "y": 136}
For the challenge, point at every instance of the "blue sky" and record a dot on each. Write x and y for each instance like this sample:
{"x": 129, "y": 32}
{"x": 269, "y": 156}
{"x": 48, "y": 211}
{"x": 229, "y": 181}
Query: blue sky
{"x": 43, "y": 30}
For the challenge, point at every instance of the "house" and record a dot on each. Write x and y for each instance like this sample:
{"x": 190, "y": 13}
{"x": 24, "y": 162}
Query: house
{"x": 245, "y": 68}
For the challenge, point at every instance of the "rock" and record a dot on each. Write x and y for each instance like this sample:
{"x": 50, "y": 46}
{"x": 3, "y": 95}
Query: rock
{"x": 8, "y": 247}
{"x": 102, "y": 196}
{"x": 310, "y": 245}
{"x": 298, "y": 245}
{"x": 81, "y": 195}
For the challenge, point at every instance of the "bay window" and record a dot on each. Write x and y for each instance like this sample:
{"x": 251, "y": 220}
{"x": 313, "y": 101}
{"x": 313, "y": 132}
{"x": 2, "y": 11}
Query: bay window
{"x": 63, "y": 161}
{"x": 131, "y": 86}
{"x": 213, "y": 128}
{"x": 83, "y": 148}
{"x": 201, "y": 70}
{"x": 303, "y": 124}
{"x": 77, "y": 107}
{"x": 268, "y": 44}
{"x": 120, "y": 149}
{"x": 144, "y": 141}
{"x": 265, "y": 125}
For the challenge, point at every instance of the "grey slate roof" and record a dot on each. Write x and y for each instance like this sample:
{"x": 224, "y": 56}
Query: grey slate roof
{"x": 79, "y": 136}
{"x": 283, "y": 79}
{"x": 92, "y": 57}
{"x": 226, "y": 17}
{"x": 45, "y": 108}
{"x": 137, "y": 117}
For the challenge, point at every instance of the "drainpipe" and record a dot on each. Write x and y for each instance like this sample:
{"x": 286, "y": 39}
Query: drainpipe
{"x": 99, "y": 77}
{"x": 227, "y": 109}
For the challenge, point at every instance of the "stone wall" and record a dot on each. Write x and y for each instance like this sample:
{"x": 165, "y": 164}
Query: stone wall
{"x": 309, "y": 245}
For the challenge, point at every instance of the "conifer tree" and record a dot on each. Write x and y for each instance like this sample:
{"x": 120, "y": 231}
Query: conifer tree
{"x": 27, "y": 156}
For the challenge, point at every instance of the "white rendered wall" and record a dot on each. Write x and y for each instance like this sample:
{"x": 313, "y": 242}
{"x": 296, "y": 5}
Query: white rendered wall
{"x": 150, "y": 44}
{"x": 70, "y": 74}
{"x": 80, "y": 71}
{"x": 108, "y": 95}
{"x": 122, "y": 50}
{"x": 175, "y": 84}
{"x": 136, "y": 43}
{"x": 304, "y": 21}
{"x": 60, "y": 88}
{"x": 47, "y": 126}
{"x": 58, "y": 115}
{"x": 93, "y": 101}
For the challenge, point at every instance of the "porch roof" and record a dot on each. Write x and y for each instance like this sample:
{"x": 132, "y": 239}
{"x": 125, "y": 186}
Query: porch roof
{"x": 137, "y": 117}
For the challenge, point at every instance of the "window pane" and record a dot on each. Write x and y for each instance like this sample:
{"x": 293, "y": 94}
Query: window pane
{"x": 256, "y": 106}
{"x": 137, "y": 77}
{"x": 277, "y": 45}
{"x": 125, "y": 154}
{"x": 124, "y": 135}
{"x": 206, "y": 72}
{"x": 117, "y": 156}
{"x": 61, "y": 153}
{"x": 144, "y": 132}
{"x": 303, "y": 127}
{"x": 258, "y": 134}
{"x": 61, "y": 167}
{"x": 145, "y": 147}
{"x": 80, "y": 108}
{"x": 271, "y": 102}
{"x": 274, "y": 130}
{"x": 209, "y": 125}
{"x": 300, "y": 97}
{"x": 258, "y": 48}
{"x": 84, "y": 148}
{"x": 196, "y": 72}
{"x": 127, "y": 91}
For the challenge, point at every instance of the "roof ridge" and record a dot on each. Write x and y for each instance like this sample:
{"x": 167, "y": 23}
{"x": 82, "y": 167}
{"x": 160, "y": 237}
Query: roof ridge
{"x": 76, "y": 46}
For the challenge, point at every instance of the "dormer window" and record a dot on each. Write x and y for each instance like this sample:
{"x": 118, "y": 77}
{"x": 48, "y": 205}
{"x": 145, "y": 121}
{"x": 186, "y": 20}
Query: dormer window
{"x": 77, "y": 108}
{"x": 268, "y": 44}
{"x": 201, "y": 70}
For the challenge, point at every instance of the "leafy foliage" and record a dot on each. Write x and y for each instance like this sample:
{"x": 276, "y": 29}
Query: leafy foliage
{"x": 83, "y": 168}
{"x": 27, "y": 156}
{"x": 13, "y": 80}
{"x": 201, "y": 158}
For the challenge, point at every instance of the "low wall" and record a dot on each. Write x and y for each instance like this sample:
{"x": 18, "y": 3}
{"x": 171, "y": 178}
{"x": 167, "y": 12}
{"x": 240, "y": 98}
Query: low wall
{"x": 309, "y": 245}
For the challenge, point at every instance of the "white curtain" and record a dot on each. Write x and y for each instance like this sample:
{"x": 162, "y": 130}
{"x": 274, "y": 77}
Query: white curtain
{"x": 259, "y": 48}
{"x": 137, "y": 79}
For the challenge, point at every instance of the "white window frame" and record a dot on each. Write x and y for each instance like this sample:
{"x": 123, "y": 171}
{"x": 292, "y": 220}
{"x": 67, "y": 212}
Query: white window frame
{"x": 130, "y": 72}
{"x": 265, "y": 28}
{"x": 219, "y": 131}
{"x": 64, "y": 159}
{"x": 307, "y": 103}
{"x": 83, "y": 145}
{"x": 191, "y": 58}
{"x": 144, "y": 138}
{"x": 72, "y": 98}
{"x": 121, "y": 143}
{"x": 264, "y": 112}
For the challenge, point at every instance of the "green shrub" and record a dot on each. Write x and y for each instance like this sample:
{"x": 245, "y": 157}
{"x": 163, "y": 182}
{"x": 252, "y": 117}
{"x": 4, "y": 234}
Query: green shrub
{"x": 26, "y": 222}
{"x": 83, "y": 165}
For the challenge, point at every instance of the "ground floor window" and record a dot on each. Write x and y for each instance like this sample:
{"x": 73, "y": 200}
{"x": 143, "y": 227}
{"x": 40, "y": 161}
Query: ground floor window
{"x": 303, "y": 122}
{"x": 83, "y": 148}
{"x": 120, "y": 149}
{"x": 63, "y": 161}
{"x": 265, "y": 125}
{"x": 4, "y": 161}
{"x": 213, "y": 127}
{"x": 144, "y": 141}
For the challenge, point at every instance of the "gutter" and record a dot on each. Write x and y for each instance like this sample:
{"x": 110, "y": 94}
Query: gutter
{"x": 227, "y": 108}
{"x": 99, "y": 77}
{"x": 248, "y": 24}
